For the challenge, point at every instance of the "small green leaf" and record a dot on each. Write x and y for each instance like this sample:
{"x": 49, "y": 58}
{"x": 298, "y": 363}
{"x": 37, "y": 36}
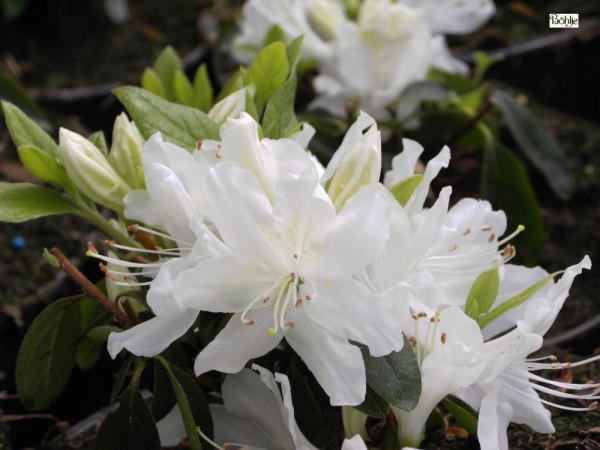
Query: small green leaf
{"x": 536, "y": 142}
{"x": 47, "y": 355}
{"x": 99, "y": 140}
{"x": 25, "y": 132}
{"x": 395, "y": 377}
{"x": 152, "y": 83}
{"x": 267, "y": 72}
{"x": 279, "y": 114}
{"x": 251, "y": 106}
{"x": 179, "y": 124}
{"x": 44, "y": 166}
{"x": 515, "y": 301}
{"x": 275, "y": 34}
{"x": 12, "y": 91}
{"x": 130, "y": 427}
{"x": 166, "y": 66}
{"x": 482, "y": 294}
{"x": 453, "y": 81}
{"x": 294, "y": 50}
{"x": 463, "y": 414}
{"x": 20, "y": 202}
{"x": 506, "y": 185}
{"x": 120, "y": 378}
{"x": 50, "y": 259}
{"x": 203, "y": 89}
{"x": 374, "y": 405}
{"x": 403, "y": 190}
{"x": 192, "y": 403}
{"x": 483, "y": 62}
{"x": 184, "y": 92}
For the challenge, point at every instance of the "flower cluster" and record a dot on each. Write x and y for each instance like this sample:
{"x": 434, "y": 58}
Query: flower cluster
{"x": 328, "y": 258}
{"x": 367, "y": 51}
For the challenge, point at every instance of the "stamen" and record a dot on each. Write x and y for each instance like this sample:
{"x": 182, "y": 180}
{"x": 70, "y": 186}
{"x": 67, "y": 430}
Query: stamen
{"x": 487, "y": 228}
{"x": 491, "y": 237}
{"x": 199, "y": 144}
{"x": 159, "y": 251}
{"x": 593, "y": 406}
{"x": 308, "y": 296}
{"x": 219, "y": 154}
{"x": 298, "y": 302}
{"x": 261, "y": 297}
{"x": 248, "y": 321}
{"x": 519, "y": 229}
{"x": 443, "y": 338}
{"x": 466, "y": 232}
{"x": 413, "y": 341}
{"x": 452, "y": 247}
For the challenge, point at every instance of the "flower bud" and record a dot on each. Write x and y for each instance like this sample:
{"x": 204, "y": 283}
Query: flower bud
{"x": 325, "y": 16}
{"x": 126, "y": 151}
{"x": 90, "y": 170}
{"x": 231, "y": 106}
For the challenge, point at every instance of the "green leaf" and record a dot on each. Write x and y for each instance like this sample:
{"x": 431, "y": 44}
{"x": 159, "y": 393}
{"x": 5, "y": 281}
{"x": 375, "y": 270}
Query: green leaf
{"x": 275, "y": 34}
{"x": 234, "y": 83}
{"x": 88, "y": 351}
{"x": 374, "y": 405}
{"x": 99, "y": 140}
{"x": 463, "y": 414}
{"x": 163, "y": 396}
{"x": 403, "y": 190}
{"x": 535, "y": 141}
{"x": 152, "y": 83}
{"x": 121, "y": 377}
{"x": 130, "y": 427}
{"x": 279, "y": 114}
{"x": 251, "y": 106}
{"x": 192, "y": 403}
{"x": 395, "y": 377}
{"x": 267, "y": 72}
{"x": 44, "y": 166}
{"x": 203, "y": 89}
{"x": 25, "y": 132}
{"x": 455, "y": 82}
{"x": 482, "y": 63}
{"x": 294, "y": 50}
{"x": 166, "y": 66}
{"x": 482, "y": 294}
{"x": 11, "y": 9}
{"x": 47, "y": 355}
{"x": 184, "y": 91}
{"x": 12, "y": 91}
{"x": 506, "y": 185}
{"x": 20, "y": 202}
{"x": 516, "y": 300}
{"x": 179, "y": 124}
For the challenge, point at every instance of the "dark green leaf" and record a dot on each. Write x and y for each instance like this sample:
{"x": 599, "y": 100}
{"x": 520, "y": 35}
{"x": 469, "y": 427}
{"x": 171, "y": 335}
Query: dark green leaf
{"x": 374, "y": 405}
{"x": 88, "y": 351}
{"x": 179, "y": 124}
{"x": 403, "y": 190}
{"x": 506, "y": 185}
{"x": 192, "y": 403}
{"x": 453, "y": 81}
{"x": 536, "y": 142}
{"x": 20, "y": 202}
{"x": 44, "y": 166}
{"x": 163, "y": 396}
{"x": 203, "y": 89}
{"x": 463, "y": 414}
{"x": 12, "y": 91}
{"x": 395, "y": 377}
{"x": 25, "y": 132}
{"x": 306, "y": 408}
{"x": 279, "y": 114}
{"x": 267, "y": 72}
{"x": 130, "y": 427}
{"x": 120, "y": 378}
{"x": 482, "y": 294}
{"x": 47, "y": 355}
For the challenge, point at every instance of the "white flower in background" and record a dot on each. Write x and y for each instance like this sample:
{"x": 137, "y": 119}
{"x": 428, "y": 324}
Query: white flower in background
{"x": 91, "y": 172}
{"x": 289, "y": 274}
{"x": 448, "y": 348}
{"x": 507, "y": 391}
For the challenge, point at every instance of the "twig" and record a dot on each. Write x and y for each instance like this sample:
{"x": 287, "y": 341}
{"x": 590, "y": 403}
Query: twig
{"x": 487, "y": 106}
{"x": 573, "y": 333}
{"x": 130, "y": 313}
{"x": 89, "y": 288}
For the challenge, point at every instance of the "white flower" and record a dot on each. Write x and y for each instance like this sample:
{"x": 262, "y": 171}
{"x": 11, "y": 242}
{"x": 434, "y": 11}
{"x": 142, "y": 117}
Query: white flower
{"x": 289, "y": 273}
{"x": 448, "y": 349}
{"x": 507, "y": 390}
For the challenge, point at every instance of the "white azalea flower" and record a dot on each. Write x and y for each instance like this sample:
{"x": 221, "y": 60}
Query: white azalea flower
{"x": 289, "y": 273}
{"x": 507, "y": 390}
{"x": 448, "y": 348}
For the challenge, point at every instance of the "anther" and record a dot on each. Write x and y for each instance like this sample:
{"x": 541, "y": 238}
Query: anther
{"x": 432, "y": 320}
{"x": 467, "y": 231}
{"x": 509, "y": 251}
{"x": 295, "y": 256}
{"x": 299, "y": 302}
{"x": 308, "y": 296}
{"x": 492, "y": 237}
{"x": 452, "y": 247}
{"x": 552, "y": 358}
{"x": 248, "y": 321}
{"x": 290, "y": 324}
{"x": 415, "y": 317}
{"x": 486, "y": 228}
{"x": 413, "y": 341}
{"x": 219, "y": 154}
{"x": 111, "y": 277}
{"x": 133, "y": 228}
{"x": 292, "y": 276}
{"x": 103, "y": 267}
{"x": 422, "y": 314}
{"x": 199, "y": 144}
{"x": 443, "y": 338}
{"x": 592, "y": 406}
{"x": 266, "y": 299}
{"x": 92, "y": 251}
{"x": 109, "y": 243}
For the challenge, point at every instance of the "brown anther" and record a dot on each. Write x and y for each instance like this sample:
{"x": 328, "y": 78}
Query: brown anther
{"x": 92, "y": 248}
{"x": 486, "y": 228}
{"x": 509, "y": 251}
{"x": 103, "y": 267}
{"x": 290, "y": 324}
{"x": 295, "y": 256}
{"x": 133, "y": 228}
{"x": 413, "y": 341}
{"x": 552, "y": 358}
{"x": 432, "y": 320}
{"x": 111, "y": 277}
{"x": 129, "y": 279}
{"x": 592, "y": 406}
{"x": 227, "y": 446}
{"x": 492, "y": 237}
{"x": 109, "y": 243}
{"x": 219, "y": 155}
{"x": 467, "y": 231}
{"x": 415, "y": 317}
{"x": 293, "y": 276}
{"x": 199, "y": 144}
{"x": 422, "y": 314}
{"x": 452, "y": 247}
{"x": 299, "y": 302}
{"x": 266, "y": 299}
{"x": 309, "y": 296}
{"x": 443, "y": 338}
{"x": 249, "y": 321}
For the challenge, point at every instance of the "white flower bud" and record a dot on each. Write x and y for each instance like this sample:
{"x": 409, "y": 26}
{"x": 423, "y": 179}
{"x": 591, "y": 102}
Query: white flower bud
{"x": 231, "y": 106}
{"x": 126, "y": 151}
{"x": 325, "y": 16}
{"x": 90, "y": 170}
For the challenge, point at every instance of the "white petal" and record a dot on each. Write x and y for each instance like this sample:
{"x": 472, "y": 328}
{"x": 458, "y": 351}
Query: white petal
{"x": 355, "y": 443}
{"x": 494, "y": 417}
{"x": 230, "y": 427}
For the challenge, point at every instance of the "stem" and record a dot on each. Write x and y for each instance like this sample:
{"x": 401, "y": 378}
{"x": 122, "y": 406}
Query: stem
{"x": 89, "y": 288}
{"x": 488, "y": 105}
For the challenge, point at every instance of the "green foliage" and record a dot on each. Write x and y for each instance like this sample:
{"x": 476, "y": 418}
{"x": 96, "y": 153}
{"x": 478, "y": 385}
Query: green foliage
{"x": 88, "y": 350}
{"x": 179, "y": 124}
{"x": 462, "y": 413}
{"x": 395, "y": 377}
{"x": 12, "y": 91}
{"x": 99, "y": 140}
{"x": 506, "y": 185}
{"x": 403, "y": 190}
{"x": 374, "y": 405}
{"x": 279, "y": 115}
{"x": 44, "y": 165}
{"x": 203, "y": 89}
{"x": 537, "y": 144}
{"x": 25, "y": 132}
{"x": 482, "y": 294}
{"x": 268, "y": 72}
{"x": 20, "y": 202}
{"x": 47, "y": 355}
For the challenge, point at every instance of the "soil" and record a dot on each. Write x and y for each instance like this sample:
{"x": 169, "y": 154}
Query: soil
{"x": 61, "y": 53}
